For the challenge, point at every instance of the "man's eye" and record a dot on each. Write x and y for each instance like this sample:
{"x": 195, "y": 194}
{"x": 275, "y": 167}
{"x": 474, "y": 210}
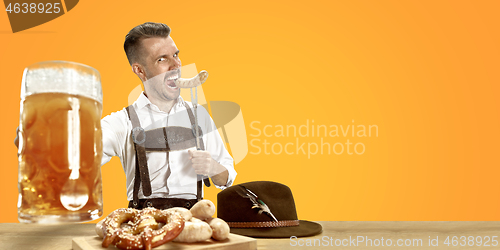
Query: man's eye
{"x": 162, "y": 59}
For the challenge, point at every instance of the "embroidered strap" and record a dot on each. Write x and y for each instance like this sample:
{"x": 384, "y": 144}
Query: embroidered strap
{"x": 168, "y": 139}
{"x": 281, "y": 223}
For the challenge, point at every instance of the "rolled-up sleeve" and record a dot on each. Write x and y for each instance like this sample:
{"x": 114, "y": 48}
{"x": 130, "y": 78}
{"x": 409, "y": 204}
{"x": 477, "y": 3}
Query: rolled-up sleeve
{"x": 114, "y": 133}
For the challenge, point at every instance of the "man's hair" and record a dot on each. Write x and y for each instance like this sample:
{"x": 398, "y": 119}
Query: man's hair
{"x": 137, "y": 34}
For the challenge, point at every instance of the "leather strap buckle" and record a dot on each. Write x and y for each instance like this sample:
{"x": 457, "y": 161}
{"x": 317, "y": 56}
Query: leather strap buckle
{"x": 200, "y": 132}
{"x": 138, "y": 135}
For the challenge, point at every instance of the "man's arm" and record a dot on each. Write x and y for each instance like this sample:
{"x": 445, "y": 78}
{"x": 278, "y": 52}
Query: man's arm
{"x": 114, "y": 132}
{"x": 219, "y": 174}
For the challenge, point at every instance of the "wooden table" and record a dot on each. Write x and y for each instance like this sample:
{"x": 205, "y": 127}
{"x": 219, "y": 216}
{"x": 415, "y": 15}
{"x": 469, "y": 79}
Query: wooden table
{"x": 352, "y": 235}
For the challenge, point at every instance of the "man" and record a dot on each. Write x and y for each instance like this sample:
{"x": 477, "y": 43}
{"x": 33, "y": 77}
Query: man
{"x": 164, "y": 121}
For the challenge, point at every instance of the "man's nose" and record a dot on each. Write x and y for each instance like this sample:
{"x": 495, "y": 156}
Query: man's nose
{"x": 176, "y": 63}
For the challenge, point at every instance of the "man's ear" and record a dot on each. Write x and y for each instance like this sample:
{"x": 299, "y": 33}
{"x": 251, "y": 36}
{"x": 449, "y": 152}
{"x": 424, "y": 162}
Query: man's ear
{"x": 139, "y": 71}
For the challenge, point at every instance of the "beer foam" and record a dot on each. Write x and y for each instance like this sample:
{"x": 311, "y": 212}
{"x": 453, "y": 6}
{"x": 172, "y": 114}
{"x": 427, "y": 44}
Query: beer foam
{"x": 84, "y": 82}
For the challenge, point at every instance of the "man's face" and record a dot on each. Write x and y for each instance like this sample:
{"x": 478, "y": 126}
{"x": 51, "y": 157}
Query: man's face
{"x": 160, "y": 64}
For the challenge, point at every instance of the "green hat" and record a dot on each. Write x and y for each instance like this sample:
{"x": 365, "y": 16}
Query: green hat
{"x": 263, "y": 209}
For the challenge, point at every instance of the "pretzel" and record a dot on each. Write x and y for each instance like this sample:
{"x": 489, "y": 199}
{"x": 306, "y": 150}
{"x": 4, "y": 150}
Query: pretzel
{"x": 192, "y": 82}
{"x": 111, "y": 225}
{"x": 144, "y": 232}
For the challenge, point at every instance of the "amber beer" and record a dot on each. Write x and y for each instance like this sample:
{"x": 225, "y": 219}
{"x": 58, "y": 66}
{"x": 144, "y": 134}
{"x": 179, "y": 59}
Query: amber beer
{"x": 60, "y": 145}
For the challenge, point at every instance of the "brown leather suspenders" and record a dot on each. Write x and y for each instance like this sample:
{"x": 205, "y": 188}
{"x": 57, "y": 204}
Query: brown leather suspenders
{"x": 199, "y": 185}
{"x": 142, "y": 141}
{"x": 141, "y": 163}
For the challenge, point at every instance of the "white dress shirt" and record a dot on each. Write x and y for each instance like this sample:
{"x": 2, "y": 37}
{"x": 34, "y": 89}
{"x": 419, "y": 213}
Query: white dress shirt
{"x": 117, "y": 141}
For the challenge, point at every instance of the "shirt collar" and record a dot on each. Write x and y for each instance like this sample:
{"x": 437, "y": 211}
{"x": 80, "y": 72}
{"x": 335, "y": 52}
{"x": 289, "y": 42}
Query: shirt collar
{"x": 143, "y": 101}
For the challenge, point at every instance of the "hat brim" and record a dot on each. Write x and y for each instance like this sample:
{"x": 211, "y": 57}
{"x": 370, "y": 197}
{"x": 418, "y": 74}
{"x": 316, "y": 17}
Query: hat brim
{"x": 305, "y": 228}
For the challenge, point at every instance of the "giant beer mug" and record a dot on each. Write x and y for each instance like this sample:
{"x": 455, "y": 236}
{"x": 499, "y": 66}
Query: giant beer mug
{"x": 60, "y": 143}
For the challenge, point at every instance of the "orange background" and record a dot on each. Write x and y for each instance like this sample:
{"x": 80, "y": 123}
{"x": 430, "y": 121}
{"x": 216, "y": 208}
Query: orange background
{"x": 425, "y": 72}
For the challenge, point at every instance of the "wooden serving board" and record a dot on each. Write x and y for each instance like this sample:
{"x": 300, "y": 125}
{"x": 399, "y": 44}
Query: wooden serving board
{"x": 234, "y": 241}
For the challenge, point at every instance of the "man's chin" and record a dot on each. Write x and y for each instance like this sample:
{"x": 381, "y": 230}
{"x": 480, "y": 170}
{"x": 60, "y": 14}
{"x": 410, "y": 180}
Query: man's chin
{"x": 175, "y": 95}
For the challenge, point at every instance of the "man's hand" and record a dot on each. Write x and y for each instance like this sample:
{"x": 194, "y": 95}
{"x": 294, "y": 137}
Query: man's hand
{"x": 203, "y": 164}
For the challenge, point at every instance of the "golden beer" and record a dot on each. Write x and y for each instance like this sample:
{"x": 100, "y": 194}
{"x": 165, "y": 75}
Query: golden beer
{"x": 60, "y": 153}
